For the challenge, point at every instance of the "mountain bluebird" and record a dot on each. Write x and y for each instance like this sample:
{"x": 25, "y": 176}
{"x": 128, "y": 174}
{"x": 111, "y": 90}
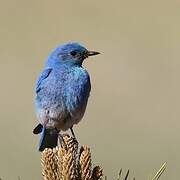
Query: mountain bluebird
{"x": 62, "y": 92}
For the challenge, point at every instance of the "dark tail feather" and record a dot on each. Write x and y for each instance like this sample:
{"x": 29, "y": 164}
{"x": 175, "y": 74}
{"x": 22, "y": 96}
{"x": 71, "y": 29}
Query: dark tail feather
{"x": 49, "y": 138}
{"x": 38, "y": 129}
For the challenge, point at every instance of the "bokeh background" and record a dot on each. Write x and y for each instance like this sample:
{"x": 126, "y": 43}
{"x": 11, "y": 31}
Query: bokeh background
{"x": 133, "y": 117}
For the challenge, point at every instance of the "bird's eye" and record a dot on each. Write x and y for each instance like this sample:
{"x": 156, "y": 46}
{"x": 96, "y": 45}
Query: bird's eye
{"x": 73, "y": 53}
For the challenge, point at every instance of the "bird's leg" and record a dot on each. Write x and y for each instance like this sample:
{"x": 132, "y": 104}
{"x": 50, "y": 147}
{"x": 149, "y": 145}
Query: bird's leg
{"x": 72, "y": 132}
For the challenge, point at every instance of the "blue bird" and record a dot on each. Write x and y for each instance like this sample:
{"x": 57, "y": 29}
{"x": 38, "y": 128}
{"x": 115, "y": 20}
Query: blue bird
{"x": 62, "y": 92}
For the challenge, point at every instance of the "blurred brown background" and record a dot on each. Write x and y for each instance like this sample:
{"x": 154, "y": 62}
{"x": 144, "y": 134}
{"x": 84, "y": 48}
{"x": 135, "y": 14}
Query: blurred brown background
{"x": 133, "y": 118}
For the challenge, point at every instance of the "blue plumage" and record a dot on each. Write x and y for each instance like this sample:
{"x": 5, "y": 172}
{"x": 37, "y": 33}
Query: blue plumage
{"x": 62, "y": 92}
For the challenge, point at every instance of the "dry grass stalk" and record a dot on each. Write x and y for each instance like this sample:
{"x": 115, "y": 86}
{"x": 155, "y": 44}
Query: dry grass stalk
{"x": 68, "y": 170}
{"x": 67, "y": 159}
{"x": 49, "y": 164}
{"x": 97, "y": 173}
{"x": 160, "y": 172}
{"x": 65, "y": 163}
{"x": 85, "y": 163}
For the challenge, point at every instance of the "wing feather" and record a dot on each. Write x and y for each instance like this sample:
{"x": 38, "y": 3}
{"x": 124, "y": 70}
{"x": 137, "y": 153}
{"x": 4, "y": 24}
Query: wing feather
{"x": 42, "y": 77}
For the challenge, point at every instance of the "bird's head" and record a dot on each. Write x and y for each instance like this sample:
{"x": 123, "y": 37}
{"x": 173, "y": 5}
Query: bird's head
{"x": 72, "y": 53}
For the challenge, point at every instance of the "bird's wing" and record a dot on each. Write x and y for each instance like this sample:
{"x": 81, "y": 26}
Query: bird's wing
{"x": 42, "y": 77}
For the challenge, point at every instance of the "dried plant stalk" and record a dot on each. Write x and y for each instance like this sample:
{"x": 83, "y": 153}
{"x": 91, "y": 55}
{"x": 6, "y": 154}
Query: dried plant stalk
{"x": 68, "y": 171}
{"x": 70, "y": 144}
{"x": 61, "y": 154}
{"x": 160, "y": 172}
{"x": 67, "y": 159}
{"x": 85, "y": 163}
{"x": 49, "y": 164}
{"x": 66, "y": 163}
{"x": 97, "y": 173}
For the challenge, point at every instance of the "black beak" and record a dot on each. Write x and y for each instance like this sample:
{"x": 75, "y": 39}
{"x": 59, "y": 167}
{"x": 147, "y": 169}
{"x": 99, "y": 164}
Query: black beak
{"x": 92, "y": 53}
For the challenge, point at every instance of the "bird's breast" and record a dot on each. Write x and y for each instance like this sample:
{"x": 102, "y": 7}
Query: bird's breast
{"x": 77, "y": 89}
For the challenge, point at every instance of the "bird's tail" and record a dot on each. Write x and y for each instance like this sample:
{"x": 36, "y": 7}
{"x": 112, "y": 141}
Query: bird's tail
{"x": 48, "y": 139}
